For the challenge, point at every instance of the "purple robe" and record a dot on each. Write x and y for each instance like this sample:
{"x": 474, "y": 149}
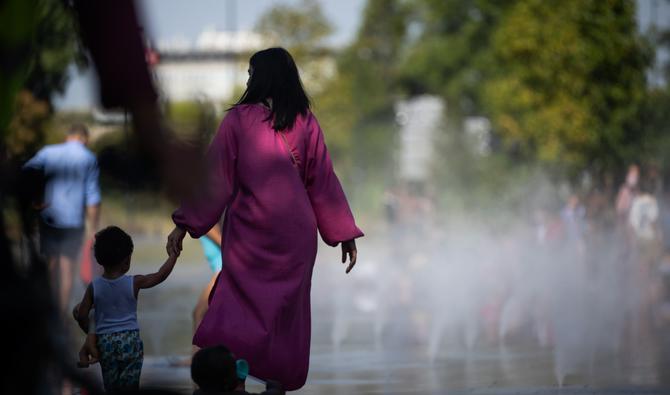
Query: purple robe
{"x": 260, "y": 307}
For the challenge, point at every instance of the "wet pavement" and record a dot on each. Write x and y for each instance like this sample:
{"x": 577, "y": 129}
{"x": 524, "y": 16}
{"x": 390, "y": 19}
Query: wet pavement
{"x": 352, "y": 353}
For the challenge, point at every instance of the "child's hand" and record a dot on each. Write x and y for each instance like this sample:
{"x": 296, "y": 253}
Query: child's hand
{"x": 88, "y": 354}
{"x": 174, "y": 243}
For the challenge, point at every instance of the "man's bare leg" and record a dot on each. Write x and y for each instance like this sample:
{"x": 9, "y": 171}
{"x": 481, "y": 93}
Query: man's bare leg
{"x": 60, "y": 273}
{"x": 65, "y": 270}
{"x": 54, "y": 276}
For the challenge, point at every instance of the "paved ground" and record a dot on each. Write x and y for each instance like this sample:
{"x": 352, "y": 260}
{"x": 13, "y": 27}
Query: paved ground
{"x": 355, "y": 360}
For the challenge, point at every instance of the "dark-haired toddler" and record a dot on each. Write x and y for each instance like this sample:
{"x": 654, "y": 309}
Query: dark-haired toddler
{"x": 217, "y": 371}
{"x": 116, "y": 343}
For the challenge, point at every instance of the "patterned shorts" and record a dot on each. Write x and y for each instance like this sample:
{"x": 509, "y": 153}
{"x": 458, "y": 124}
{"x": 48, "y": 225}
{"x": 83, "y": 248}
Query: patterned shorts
{"x": 121, "y": 357}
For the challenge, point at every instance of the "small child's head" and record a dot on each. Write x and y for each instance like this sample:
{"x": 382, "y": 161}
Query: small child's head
{"x": 113, "y": 248}
{"x": 214, "y": 369}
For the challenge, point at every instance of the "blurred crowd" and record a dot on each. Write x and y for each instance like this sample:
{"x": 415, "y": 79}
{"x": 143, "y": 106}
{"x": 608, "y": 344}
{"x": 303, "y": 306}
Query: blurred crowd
{"x": 585, "y": 278}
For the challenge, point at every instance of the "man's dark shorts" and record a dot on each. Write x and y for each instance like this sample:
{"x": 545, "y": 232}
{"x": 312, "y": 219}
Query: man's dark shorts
{"x": 61, "y": 241}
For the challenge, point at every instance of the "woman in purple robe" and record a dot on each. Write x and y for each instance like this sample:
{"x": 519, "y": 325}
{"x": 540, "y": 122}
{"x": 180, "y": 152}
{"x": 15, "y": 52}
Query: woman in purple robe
{"x": 272, "y": 178}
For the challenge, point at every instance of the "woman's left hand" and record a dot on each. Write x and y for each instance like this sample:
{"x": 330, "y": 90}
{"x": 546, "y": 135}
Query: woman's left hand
{"x": 349, "y": 247}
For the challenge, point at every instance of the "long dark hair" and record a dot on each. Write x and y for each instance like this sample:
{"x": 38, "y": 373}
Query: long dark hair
{"x": 275, "y": 76}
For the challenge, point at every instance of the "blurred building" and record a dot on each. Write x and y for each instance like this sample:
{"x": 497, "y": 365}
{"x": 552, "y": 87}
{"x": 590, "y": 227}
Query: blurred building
{"x": 211, "y": 69}
{"x": 419, "y": 118}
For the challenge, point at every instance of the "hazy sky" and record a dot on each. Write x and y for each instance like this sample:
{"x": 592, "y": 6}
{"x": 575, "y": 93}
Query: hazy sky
{"x": 169, "y": 19}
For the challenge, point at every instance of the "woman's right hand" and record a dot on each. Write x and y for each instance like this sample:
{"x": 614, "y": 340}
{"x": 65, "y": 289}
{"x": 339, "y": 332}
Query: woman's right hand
{"x": 174, "y": 241}
{"x": 349, "y": 248}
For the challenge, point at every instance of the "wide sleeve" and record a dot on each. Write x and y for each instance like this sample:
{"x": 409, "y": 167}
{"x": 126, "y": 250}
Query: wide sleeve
{"x": 333, "y": 215}
{"x": 203, "y": 209}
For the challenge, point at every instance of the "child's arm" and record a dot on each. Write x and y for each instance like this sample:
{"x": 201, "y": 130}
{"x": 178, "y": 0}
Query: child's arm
{"x": 214, "y": 234}
{"x": 153, "y": 279}
{"x": 88, "y": 353}
{"x": 83, "y": 309}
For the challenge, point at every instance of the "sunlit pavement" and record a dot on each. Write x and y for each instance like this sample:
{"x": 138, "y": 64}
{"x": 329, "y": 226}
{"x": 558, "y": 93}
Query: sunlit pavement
{"x": 356, "y": 371}
{"x": 355, "y": 361}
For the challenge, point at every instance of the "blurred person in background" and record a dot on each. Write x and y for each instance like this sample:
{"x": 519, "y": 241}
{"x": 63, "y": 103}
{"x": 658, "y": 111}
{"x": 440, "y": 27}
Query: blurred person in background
{"x": 211, "y": 247}
{"x": 644, "y": 214}
{"x": 646, "y": 236}
{"x": 627, "y": 192}
{"x": 624, "y": 243}
{"x": 71, "y": 199}
{"x": 217, "y": 371}
{"x": 663, "y": 293}
{"x": 573, "y": 216}
{"x": 271, "y": 173}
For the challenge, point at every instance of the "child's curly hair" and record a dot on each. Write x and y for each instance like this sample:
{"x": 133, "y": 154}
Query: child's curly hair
{"x": 213, "y": 369}
{"x": 112, "y": 246}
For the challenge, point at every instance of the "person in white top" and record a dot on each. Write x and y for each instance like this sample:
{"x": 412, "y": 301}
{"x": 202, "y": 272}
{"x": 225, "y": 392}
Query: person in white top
{"x": 643, "y": 216}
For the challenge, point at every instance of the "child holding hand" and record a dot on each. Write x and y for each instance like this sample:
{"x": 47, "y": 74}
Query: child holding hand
{"x": 116, "y": 343}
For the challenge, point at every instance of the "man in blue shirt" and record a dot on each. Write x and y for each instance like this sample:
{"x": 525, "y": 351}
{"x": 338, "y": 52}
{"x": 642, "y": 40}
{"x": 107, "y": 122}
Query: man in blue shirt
{"x": 71, "y": 196}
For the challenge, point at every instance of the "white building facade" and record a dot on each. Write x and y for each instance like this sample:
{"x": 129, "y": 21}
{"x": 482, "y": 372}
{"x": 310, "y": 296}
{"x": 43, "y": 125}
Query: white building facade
{"x": 213, "y": 69}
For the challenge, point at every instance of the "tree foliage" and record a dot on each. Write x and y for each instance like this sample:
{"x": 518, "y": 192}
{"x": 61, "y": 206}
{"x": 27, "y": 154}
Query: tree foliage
{"x": 654, "y": 120}
{"x": 18, "y": 22}
{"x": 26, "y": 129}
{"x": 55, "y": 47}
{"x": 38, "y": 42}
{"x": 570, "y": 81}
{"x": 562, "y": 82}
{"x": 301, "y": 29}
{"x": 357, "y": 105}
{"x": 450, "y": 50}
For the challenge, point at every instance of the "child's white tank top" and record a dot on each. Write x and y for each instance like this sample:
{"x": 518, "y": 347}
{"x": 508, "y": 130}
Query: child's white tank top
{"x": 115, "y": 305}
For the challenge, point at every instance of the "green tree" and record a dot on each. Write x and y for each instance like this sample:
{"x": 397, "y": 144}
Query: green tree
{"x": 654, "y": 120}
{"x": 18, "y": 23}
{"x": 356, "y": 107}
{"x": 371, "y": 61}
{"x": 302, "y": 30}
{"x": 27, "y": 126}
{"x": 38, "y": 42}
{"x": 569, "y": 83}
{"x": 450, "y": 51}
{"x": 55, "y": 47}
